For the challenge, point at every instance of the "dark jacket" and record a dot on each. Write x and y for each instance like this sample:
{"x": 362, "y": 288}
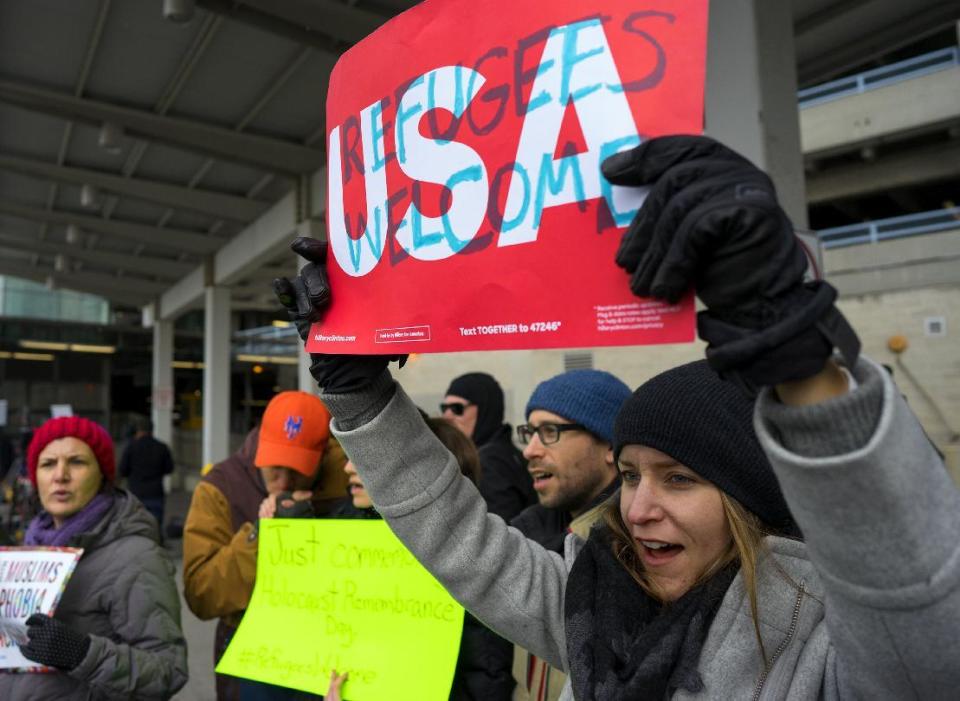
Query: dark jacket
{"x": 123, "y": 594}
{"x": 505, "y": 484}
{"x": 144, "y": 463}
{"x": 536, "y": 679}
{"x": 550, "y": 527}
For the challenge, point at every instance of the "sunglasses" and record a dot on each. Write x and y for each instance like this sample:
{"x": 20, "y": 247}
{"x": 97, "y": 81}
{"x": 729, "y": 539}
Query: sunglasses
{"x": 456, "y": 408}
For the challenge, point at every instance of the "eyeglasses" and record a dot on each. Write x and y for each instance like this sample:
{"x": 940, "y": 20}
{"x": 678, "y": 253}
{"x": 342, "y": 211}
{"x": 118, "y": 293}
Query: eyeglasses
{"x": 457, "y": 408}
{"x": 547, "y": 433}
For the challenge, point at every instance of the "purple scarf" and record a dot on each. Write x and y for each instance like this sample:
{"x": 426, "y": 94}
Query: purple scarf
{"x": 41, "y": 530}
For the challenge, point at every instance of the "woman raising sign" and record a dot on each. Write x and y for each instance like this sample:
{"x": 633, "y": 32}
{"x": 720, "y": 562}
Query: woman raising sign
{"x": 698, "y": 584}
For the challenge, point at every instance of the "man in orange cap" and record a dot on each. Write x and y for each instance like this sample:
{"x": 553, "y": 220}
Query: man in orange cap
{"x": 287, "y": 456}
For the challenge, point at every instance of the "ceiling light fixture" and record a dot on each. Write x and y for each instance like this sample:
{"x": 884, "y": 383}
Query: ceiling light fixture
{"x": 92, "y": 348}
{"x": 111, "y": 138}
{"x": 47, "y": 357}
{"x": 89, "y": 196}
{"x": 178, "y": 11}
{"x": 43, "y": 345}
{"x": 74, "y": 235}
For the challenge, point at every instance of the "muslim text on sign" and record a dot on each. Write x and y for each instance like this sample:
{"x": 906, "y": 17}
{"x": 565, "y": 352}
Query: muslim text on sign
{"x": 31, "y": 581}
{"x": 466, "y": 209}
{"x": 345, "y": 595}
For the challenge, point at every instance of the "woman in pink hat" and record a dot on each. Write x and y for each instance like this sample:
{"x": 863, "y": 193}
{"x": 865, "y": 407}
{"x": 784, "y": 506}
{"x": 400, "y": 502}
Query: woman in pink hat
{"x": 116, "y": 632}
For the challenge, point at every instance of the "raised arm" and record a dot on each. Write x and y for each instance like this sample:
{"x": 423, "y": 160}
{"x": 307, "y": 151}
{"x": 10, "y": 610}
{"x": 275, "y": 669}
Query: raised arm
{"x": 510, "y": 583}
{"x": 881, "y": 519}
{"x": 879, "y": 514}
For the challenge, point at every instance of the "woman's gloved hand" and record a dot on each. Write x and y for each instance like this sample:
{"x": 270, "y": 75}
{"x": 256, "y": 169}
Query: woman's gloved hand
{"x": 306, "y": 299}
{"x": 53, "y": 644}
{"x": 711, "y": 221}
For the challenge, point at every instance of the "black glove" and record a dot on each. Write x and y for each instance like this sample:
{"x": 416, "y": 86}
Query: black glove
{"x": 711, "y": 221}
{"x": 297, "y": 508}
{"x": 307, "y": 296}
{"x": 306, "y": 299}
{"x": 53, "y": 644}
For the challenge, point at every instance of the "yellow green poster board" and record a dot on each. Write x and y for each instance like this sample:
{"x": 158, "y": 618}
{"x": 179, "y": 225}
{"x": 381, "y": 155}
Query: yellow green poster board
{"x": 345, "y": 595}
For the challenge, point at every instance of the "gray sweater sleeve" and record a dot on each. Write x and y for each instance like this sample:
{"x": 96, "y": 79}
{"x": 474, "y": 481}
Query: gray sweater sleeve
{"x": 881, "y": 519}
{"x": 512, "y": 584}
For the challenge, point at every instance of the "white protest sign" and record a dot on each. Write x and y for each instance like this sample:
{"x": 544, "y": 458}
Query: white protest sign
{"x": 31, "y": 581}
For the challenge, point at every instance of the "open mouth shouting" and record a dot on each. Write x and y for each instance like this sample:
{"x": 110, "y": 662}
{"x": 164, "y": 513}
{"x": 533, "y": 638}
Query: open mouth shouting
{"x": 657, "y": 552}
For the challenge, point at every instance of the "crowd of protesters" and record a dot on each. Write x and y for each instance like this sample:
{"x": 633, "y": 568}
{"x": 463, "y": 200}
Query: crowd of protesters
{"x": 770, "y": 522}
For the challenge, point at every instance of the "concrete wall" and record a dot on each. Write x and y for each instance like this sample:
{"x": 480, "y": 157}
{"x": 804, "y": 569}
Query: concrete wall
{"x": 928, "y": 373}
{"x": 904, "y": 107}
{"x": 426, "y": 377}
{"x": 912, "y": 262}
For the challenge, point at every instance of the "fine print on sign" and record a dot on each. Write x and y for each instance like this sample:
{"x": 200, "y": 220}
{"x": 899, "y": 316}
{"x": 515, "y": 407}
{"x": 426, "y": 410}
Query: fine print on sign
{"x": 466, "y": 210}
{"x": 345, "y": 595}
{"x": 31, "y": 581}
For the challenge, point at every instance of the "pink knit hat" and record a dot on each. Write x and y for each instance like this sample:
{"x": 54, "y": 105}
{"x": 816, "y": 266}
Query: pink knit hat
{"x": 90, "y": 432}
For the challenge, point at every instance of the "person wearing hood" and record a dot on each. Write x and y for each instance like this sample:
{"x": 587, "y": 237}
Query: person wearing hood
{"x": 116, "y": 631}
{"x": 474, "y": 404}
{"x": 289, "y": 453}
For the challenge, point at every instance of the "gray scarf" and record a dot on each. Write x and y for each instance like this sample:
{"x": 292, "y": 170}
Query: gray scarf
{"x": 622, "y": 643}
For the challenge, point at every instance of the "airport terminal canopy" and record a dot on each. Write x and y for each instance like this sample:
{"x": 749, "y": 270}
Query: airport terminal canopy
{"x": 150, "y": 149}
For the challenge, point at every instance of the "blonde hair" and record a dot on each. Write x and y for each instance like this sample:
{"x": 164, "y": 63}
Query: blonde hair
{"x": 746, "y": 547}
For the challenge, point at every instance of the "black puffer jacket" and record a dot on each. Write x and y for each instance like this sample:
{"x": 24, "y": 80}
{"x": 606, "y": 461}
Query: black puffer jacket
{"x": 123, "y": 595}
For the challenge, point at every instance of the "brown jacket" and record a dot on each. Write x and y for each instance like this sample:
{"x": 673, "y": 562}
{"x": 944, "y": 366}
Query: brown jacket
{"x": 219, "y": 540}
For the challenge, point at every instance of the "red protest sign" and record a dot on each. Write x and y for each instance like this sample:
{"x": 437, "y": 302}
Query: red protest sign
{"x": 466, "y": 210}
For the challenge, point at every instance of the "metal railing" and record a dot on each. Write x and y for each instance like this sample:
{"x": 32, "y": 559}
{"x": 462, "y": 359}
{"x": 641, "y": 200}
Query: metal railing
{"x": 878, "y": 77}
{"x": 892, "y": 228}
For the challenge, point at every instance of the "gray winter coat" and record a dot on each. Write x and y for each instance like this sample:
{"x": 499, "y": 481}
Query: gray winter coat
{"x": 868, "y": 607}
{"x": 123, "y": 595}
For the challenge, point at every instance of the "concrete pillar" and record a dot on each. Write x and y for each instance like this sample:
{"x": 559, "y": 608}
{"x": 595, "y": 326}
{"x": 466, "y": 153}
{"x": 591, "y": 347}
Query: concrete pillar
{"x": 305, "y": 381}
{"x": 751, "y": 97}
{"x": 216, "y": 374}
{"x": 106, "y": 374}
{"x": 162, "y": 389}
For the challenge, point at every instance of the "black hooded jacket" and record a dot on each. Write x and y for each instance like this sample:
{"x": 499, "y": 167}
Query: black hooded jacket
{"x": 505, "y": 484}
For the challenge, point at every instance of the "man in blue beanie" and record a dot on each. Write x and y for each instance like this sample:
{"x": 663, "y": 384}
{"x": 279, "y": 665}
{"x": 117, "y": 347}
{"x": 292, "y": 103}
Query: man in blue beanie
{"x": 568, "y": 441}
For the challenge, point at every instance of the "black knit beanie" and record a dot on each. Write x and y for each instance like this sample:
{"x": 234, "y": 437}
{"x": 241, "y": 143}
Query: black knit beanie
{"x": 702, "y": 422}
{"x": 484, "y": 391}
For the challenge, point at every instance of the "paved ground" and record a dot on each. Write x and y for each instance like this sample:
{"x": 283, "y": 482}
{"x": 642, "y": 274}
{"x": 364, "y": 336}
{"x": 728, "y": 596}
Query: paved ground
{"x": 199, "y": 634}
